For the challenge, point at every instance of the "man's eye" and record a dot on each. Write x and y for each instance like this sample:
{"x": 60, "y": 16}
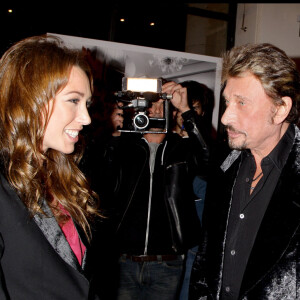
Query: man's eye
{"x": 242, "y": 103}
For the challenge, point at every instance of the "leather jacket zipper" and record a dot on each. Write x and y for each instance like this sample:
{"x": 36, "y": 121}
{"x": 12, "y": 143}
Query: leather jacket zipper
{"x": 148, "y": 215}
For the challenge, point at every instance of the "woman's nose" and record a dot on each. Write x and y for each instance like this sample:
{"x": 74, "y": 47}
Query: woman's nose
{"x": 84, "y": 117}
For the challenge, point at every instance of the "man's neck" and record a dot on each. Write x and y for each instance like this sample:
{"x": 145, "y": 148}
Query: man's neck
{"x": 154, "y": 137}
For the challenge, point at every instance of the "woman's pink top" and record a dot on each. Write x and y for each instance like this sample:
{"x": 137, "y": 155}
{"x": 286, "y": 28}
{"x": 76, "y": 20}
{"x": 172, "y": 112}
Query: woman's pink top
{"x": 72, "y": 237}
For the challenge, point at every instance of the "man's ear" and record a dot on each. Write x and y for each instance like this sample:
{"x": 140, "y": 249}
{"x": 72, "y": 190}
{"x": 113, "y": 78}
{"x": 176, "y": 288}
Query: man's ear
{"x": 283, "y": 110}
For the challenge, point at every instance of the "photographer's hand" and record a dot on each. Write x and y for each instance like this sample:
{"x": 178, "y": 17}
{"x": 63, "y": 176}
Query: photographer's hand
{"x": 117, "y": 119}
{"x": 179, "y": 95}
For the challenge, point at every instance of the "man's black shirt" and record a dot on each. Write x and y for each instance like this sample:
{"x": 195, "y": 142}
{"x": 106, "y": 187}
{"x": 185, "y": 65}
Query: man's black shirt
{"x": 247, "y": 211}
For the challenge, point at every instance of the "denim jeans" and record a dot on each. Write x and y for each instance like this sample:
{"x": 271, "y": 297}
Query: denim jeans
{"x": 190, "y": 257}
{"x": 155, "y": 280}
{"x": 199, "y": 186}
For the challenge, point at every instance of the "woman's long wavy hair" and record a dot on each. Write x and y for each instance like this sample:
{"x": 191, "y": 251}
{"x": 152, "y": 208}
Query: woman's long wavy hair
{"x": 32, "y": 72}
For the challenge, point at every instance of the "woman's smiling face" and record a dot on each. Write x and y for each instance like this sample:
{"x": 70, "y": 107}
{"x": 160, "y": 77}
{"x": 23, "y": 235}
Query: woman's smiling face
{"x": 69, "y": 113}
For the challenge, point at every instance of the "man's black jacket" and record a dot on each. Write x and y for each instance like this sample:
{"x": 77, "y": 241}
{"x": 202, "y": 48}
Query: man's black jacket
{"x": 119, "y": 173}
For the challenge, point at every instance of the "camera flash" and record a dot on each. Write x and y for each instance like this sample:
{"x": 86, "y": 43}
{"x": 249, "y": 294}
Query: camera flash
{"x": 142, "y": 85}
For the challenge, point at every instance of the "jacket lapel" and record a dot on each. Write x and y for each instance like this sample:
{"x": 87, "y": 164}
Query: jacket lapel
{"x": 53, "y": 233}
{"x": 84, "y": 240}
{"x": 282, "y": 218}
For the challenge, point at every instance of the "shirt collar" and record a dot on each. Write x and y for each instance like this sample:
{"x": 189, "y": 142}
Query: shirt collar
{"x": 281, "y": 151}
{"x": 278, "y": 155}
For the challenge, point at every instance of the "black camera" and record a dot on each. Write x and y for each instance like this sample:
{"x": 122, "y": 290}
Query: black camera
{"x": 137, "y": 96}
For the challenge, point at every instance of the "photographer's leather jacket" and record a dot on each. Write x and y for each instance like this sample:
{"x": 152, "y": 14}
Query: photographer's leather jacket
{"x": 152, "y": 213}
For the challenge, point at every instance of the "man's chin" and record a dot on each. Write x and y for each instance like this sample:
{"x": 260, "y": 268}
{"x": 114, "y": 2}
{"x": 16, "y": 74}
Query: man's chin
{"x": 236, "y": 146}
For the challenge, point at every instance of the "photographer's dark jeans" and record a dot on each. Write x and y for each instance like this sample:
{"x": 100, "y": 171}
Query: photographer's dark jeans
{"x": 149, "y": 280}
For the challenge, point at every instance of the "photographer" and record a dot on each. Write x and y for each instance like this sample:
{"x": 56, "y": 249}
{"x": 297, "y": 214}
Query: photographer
{"x": 148, "y": 187}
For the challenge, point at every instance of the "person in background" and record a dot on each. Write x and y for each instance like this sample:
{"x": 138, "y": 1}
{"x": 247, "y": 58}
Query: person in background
{"x": 46, "y": 205}
{"x": 250, "y": 245}
{"x": 200, "y": 100}
{"x": 148, "y": 184}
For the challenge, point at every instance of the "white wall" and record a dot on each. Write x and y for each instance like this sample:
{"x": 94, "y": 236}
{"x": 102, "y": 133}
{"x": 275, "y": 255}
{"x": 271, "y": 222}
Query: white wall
{"x": 274, "y": 23}
{"x": 134, "y": 59}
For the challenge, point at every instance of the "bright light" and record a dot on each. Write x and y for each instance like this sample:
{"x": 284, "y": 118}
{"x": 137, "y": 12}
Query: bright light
{"x": 142, "y": 84}
{"x": 152, "y": 24}
{"x": 10, "y": 11}
{"x": 122, "y": 20}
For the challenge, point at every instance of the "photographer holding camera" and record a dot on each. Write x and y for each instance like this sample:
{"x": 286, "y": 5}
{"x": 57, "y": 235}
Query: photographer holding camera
{"x": 147, "y": 183}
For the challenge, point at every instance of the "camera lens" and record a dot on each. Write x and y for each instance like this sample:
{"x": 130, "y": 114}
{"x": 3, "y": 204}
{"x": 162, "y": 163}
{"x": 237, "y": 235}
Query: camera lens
{"x": 141, "y": 121}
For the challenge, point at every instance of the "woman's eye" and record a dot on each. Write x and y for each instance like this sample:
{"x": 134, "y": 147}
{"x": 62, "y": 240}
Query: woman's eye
{"x": 75, "y": 101}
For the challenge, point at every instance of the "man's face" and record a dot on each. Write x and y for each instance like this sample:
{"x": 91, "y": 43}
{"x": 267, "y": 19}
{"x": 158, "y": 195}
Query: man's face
{"x": 156, "y": 110}
{"x": 249, "y": 114}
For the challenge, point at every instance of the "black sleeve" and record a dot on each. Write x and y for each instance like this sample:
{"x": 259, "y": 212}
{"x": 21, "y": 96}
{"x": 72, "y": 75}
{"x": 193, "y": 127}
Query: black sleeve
{"x": 200, "y": 142}
{"x": 3, "y": 290}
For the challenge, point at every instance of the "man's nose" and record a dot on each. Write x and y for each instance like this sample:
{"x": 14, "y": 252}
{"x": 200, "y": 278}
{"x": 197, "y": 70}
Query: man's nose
{"x": 229, "y": 115}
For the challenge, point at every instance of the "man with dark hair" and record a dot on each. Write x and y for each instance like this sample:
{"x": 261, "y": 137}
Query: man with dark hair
{"x": 146, "y": 180}
{"x": 250, "y": 246}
